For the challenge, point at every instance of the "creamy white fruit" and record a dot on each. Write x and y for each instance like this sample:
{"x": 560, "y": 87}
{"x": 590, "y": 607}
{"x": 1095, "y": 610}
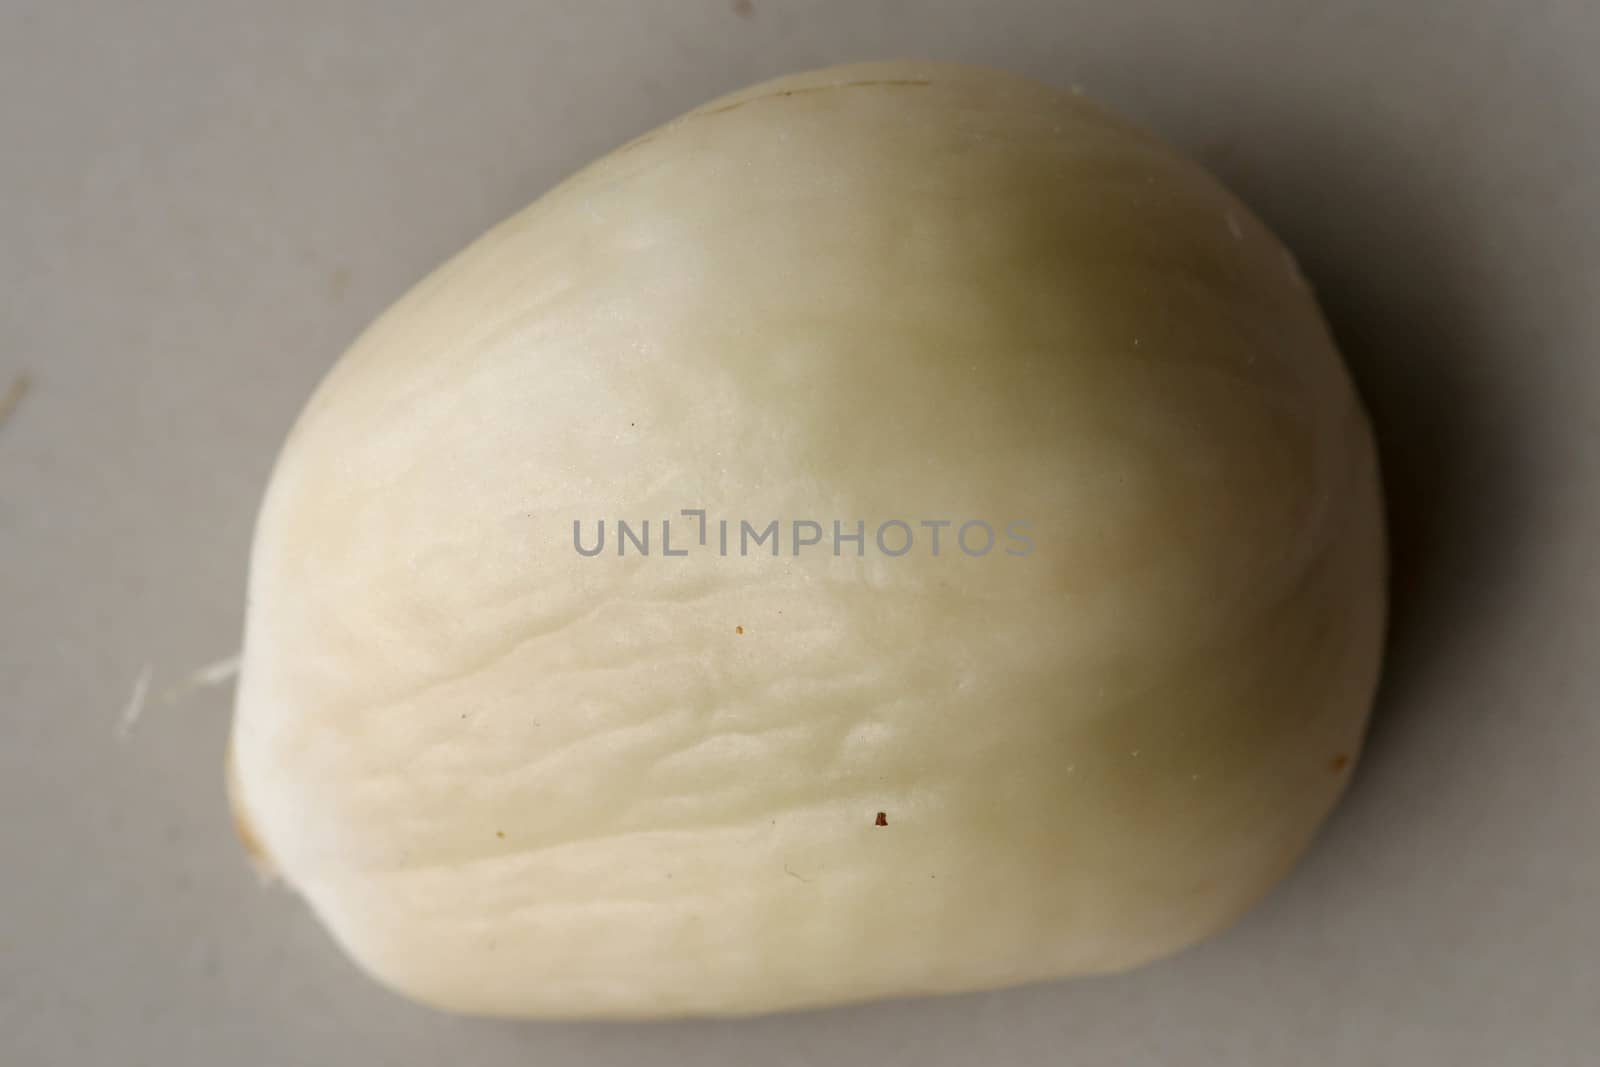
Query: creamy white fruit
{"x": 513, "y": 779}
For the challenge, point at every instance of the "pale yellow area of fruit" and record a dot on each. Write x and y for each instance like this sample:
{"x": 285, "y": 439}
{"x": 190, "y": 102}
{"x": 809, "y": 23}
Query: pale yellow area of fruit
{"x": 516, "y": 780}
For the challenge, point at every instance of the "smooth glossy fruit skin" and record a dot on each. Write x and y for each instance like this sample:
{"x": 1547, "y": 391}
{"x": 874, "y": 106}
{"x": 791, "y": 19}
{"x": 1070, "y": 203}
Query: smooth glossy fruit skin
{"x": 515, "y": 780}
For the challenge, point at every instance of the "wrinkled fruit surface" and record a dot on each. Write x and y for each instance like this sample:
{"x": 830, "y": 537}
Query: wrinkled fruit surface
{"x": 514, "y": 779}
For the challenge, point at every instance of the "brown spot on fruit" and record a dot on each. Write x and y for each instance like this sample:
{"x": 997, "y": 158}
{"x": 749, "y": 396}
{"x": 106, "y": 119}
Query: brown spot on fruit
{"x": 882, "y": 820}
{"x": 247, "y": 836}
{"x": 243, "y": 829}
{"x": 738, "y": 629}
{"x": 1338, "y": 763}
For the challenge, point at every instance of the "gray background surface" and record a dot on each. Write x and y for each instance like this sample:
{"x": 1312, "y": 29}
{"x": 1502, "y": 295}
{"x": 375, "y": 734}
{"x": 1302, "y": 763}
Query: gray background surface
{"x": 201, "y": 202}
